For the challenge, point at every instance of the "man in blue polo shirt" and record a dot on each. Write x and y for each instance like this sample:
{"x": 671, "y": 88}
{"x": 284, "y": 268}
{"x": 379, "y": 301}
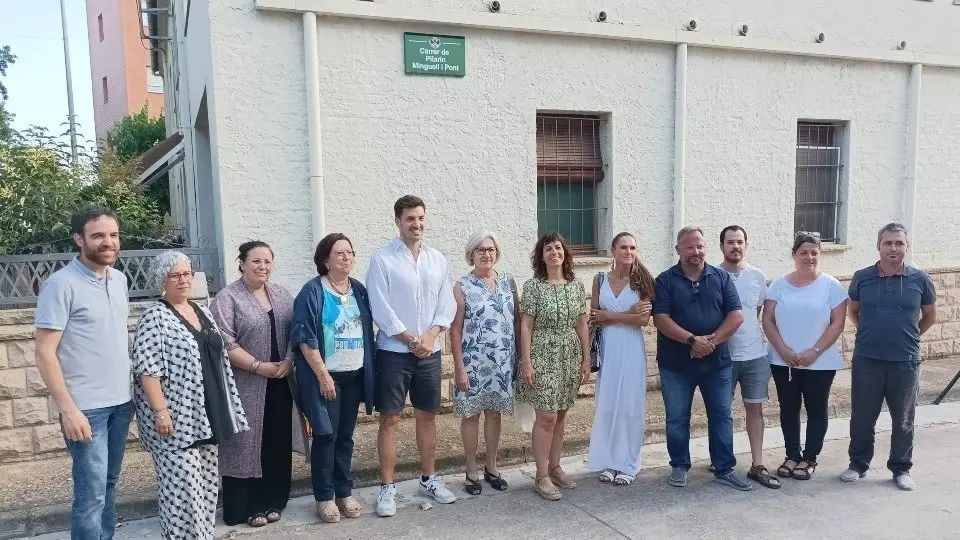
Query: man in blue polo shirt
{"x": 892, "y": 305}
{"x": 696, "y": 310}
{"x": 83, "y": 357}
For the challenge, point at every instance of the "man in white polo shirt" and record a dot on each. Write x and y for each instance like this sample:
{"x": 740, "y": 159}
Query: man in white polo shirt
{"x": 751, "y": 367}
{"x": 412, "y": 302}
{"x": 83, "y": 357}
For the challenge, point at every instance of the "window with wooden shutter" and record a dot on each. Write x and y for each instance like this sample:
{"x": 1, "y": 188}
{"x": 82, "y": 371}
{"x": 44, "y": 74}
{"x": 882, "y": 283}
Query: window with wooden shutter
{"x": 569, "y": 167}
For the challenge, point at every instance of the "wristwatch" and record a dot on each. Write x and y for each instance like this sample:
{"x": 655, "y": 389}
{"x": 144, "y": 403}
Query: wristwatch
{"x": 692, "y": 339}
{"x": 818, "y": 350}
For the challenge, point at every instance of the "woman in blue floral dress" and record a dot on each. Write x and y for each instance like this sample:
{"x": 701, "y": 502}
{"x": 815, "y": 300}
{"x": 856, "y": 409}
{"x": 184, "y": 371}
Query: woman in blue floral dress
{"x": 483, "y": 338}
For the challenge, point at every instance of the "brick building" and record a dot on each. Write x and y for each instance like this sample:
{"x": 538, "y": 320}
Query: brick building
{"x": 120, "y": 71}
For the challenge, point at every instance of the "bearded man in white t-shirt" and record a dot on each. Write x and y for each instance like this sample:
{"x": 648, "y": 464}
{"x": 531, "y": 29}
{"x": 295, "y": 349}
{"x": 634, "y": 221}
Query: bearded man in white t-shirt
{"x": 751, "y": 367}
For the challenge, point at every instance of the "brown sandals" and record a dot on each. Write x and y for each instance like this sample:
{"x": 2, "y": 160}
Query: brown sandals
{"x": 349, "y": 507}
{"x": 561, "y": 478}
{"x": 552, "y": 494}
{"x": 328, "y": 511}
{"x": 762, "y": 476}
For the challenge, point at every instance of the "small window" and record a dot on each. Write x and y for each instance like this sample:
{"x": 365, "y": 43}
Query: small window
{"x": 100, "y": 26}
{"x": 820, "y": 163}
{"x": 106, "y": 91}
{"x": 154, "y": 82}
{"x": 569, "y": 167}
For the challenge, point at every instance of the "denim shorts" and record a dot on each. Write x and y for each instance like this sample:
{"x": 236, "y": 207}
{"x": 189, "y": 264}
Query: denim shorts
{"x": 401, "y": 373}
{"x": 754, "y": 378}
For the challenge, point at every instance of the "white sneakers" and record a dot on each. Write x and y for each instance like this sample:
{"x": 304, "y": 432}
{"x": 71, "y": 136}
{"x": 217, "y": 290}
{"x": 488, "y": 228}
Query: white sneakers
{"x": 851, "y": 475}
{"x": 904, "y": 480}
{"x": 386, "y": 501}
{"x": 432, "y": 487}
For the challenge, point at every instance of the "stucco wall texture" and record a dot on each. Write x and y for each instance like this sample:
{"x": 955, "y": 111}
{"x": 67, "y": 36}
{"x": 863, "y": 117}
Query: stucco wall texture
{"x": 467, "y": 145}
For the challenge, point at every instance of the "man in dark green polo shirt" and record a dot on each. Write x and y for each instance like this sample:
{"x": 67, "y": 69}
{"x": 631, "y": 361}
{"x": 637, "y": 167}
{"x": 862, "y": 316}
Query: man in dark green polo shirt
{"x": 892, "y": 305}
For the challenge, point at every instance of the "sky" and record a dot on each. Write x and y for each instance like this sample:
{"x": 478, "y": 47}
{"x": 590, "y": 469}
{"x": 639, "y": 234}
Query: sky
{"x": 37, "y": 82}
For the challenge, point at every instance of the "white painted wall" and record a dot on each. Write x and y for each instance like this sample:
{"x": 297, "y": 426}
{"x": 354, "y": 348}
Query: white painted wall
{"x": 467, "y": 145}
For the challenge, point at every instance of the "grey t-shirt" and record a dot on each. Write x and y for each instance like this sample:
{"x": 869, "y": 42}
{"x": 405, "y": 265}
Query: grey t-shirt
{"x": 888, "y": 327}
{"x": 91, "y": 311}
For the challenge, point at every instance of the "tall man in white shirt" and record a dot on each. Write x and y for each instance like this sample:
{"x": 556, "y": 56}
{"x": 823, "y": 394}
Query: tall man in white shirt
{"x": 412, "y": 301}
{"x": 751, "y": 367}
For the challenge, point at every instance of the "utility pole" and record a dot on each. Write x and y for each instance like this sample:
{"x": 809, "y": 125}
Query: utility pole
{"x": 71, "y": 117}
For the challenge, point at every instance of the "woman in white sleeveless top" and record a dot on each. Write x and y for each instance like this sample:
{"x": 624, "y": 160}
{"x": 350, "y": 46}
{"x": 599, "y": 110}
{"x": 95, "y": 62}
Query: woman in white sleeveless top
{"x": 620, "y": 304}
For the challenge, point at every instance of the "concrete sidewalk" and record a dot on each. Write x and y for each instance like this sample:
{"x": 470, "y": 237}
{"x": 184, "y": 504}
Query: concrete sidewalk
{"x": 35, "y": 496}
{"x": 822, "y": 507}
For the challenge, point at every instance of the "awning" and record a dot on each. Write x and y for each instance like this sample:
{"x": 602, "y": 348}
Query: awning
{"x": 157, "y": 161}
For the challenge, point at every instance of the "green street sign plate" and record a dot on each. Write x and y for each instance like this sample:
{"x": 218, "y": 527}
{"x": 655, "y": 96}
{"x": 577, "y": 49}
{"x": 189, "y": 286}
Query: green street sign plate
{"x": 426, "y": 54}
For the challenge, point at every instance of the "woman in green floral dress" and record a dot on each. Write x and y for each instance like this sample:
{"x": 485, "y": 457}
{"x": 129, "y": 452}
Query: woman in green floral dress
{"x": 555, "y": 355}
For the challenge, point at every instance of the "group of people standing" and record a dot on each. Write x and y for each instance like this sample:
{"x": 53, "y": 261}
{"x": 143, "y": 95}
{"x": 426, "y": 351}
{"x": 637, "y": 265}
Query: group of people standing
{"x": 224, "y": 395}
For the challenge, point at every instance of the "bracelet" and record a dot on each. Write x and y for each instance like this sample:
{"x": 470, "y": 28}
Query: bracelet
{"x": 254, "y": 366}
{"x": 159, "y": 411}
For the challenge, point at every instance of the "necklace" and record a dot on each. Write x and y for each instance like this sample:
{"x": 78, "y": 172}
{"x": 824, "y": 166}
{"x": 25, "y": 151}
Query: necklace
{"x": 344, "y": 296}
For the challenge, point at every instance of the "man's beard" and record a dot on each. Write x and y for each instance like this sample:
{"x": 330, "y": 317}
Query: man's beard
{"x": 733, "y": 257}
{"x": 106, "y": 258}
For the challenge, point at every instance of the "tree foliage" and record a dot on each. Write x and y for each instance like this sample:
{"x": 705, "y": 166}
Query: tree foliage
{"x": 133, "y": 135}
{"x": 6, "y": 60}
{"x": 37, "y": 192}
{"x": 40, "y": 188}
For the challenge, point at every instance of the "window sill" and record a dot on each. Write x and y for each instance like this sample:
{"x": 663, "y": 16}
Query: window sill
{"x": 835, "y": 248}
{"x": 592, "y": 260}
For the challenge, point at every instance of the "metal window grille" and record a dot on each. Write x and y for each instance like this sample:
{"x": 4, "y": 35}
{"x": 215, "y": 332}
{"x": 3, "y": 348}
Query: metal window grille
{"x": 819, "y": 165}
{"x": 569, "y": 167}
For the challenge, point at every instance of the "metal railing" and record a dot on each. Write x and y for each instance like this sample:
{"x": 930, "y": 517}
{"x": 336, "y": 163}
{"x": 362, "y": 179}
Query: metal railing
{"x": 22, "y": 275}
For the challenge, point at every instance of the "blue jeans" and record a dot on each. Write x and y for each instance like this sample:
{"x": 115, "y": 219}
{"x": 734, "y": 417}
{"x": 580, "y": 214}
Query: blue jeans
{"x": 96, "y": 468}
{"x": 677, "y": 389}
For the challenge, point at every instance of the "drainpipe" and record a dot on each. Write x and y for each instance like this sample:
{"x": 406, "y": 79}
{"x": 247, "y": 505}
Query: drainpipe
{"x": 311, "y": 59}
{"x": 913, "y": 154}
{"x": 679, "y": 138}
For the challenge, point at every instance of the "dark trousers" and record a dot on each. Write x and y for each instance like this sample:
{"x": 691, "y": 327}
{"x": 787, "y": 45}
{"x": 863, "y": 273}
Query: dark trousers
{"x": 331, "y": 455}
{"x": 873, "y": 382}
{"x": 677, "y": 389}
{"x": 809, "y": 388}
{"x": 244, "y": 498}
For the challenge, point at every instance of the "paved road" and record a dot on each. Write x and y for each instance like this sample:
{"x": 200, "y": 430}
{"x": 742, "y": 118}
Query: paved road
{"x": 823, "y": 507}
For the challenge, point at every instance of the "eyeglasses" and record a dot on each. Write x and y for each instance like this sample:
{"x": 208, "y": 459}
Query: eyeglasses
{"x": 349, "y": 254}
{"x": 487, "y": 251}
{"x": 182, "y": 276}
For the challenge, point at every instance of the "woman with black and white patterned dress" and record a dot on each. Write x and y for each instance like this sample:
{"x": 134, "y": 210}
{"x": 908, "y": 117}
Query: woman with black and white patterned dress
{"x": 186, "y": 399}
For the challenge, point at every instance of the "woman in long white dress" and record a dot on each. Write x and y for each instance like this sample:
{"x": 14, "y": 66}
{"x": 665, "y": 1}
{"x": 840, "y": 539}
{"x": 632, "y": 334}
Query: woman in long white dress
{"x": 620, "y": 305}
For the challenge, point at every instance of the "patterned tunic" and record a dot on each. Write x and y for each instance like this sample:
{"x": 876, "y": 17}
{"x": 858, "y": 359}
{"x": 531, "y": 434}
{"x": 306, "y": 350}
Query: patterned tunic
{"x": 245, "y": 324}
{"x": 489, "y": 347}
{"x": 555, "y": 348}
{"x": 187, "y": 480}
